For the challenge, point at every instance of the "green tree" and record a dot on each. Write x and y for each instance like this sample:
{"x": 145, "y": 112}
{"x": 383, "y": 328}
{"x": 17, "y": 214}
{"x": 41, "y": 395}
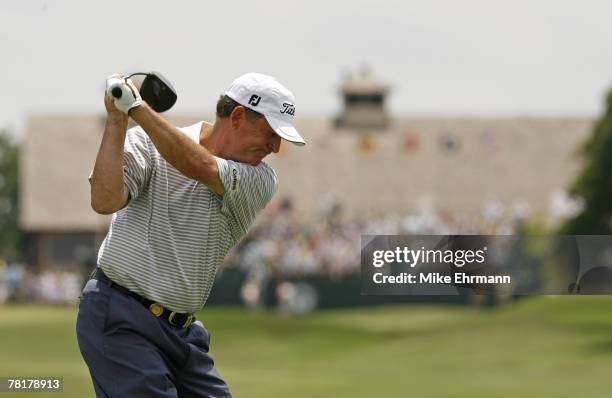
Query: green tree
{"x": 10, "y": 233}
{"x": 594, "y": 183}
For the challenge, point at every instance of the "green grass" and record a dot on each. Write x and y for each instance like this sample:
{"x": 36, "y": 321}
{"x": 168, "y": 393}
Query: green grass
{"x": 540, "y": 347}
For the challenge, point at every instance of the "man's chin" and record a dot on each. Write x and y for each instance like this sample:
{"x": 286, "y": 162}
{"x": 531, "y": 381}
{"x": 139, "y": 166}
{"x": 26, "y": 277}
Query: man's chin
{"x": 259, "y": 159}
{"x": 254, "y": 159}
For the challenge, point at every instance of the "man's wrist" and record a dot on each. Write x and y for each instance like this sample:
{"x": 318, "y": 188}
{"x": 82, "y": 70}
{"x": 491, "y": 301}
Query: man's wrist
{"x": 133, "y": 113}
{"x": 117, "y": 118}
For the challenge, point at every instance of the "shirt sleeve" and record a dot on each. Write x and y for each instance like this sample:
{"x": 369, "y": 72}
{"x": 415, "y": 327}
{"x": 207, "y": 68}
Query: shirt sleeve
{"x": 136, "y": 162}
{"x": 248, "y": 189}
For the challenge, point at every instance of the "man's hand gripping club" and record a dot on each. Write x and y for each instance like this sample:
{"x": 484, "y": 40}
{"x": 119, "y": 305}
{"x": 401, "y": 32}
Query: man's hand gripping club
{"x": 124, "y": 93}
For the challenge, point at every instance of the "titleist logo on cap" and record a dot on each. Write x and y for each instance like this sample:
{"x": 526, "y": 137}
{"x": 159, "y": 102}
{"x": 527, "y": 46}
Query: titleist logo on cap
{"x": 288, "y": 108}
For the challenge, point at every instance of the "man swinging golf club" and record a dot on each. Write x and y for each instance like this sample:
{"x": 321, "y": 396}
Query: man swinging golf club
{"x": 180, "y": 199}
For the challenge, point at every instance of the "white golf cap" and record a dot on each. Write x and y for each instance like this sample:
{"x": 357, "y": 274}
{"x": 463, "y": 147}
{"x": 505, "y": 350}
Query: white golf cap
{"x": 265, "y": 95}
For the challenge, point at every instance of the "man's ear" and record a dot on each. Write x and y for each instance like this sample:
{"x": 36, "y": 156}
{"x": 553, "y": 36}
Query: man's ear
{"x": 237, "y": 116}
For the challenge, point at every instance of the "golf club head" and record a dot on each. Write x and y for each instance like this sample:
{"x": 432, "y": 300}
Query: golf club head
{"x": 158, "y": 92}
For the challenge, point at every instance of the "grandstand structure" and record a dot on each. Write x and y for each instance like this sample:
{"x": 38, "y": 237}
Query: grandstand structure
{"x": 366, "y": 159}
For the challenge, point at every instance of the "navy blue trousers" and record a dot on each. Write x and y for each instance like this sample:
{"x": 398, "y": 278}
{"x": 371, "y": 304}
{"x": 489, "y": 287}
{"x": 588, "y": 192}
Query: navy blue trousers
{"x": 131, "y": 353}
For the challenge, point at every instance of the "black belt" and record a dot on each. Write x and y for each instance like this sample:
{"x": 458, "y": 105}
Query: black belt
{"x": 174, "y": 318}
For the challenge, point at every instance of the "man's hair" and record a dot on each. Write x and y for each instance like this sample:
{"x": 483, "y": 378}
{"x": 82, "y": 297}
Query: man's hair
{"x": 226, "y": 105}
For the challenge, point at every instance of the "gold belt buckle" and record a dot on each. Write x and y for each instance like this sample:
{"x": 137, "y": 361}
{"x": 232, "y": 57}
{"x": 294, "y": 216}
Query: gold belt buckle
{"x": 185, "y": 324}
{"x": 188, "y": 321}
{"x": 156, "y": 309}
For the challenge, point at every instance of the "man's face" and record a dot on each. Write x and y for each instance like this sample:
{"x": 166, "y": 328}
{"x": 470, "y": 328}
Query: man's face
{"x": 255, "y": 139}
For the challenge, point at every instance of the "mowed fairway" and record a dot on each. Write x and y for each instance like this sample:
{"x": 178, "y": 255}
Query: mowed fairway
{"x": 540, "y": 347}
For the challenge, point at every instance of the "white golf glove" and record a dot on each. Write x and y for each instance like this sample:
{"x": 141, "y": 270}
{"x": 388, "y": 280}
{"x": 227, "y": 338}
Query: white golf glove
{"x": 125, "y": 94}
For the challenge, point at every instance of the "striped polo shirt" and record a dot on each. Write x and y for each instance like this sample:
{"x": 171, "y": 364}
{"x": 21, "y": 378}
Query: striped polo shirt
{"x": 168, "y": 241}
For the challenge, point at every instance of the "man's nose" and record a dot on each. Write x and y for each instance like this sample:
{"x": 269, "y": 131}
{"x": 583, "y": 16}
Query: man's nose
{"x": 274, "y": 143}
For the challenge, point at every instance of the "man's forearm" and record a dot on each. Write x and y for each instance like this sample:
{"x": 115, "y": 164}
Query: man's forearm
{"x": 108, "y": 190}
{"x": 188, "y": 157}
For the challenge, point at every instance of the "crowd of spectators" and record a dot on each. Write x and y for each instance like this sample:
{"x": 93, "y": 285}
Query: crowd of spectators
{"x": 282, "y": 246}
{"x": 329, "y": 244}
{"x": 20, "y": 283}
